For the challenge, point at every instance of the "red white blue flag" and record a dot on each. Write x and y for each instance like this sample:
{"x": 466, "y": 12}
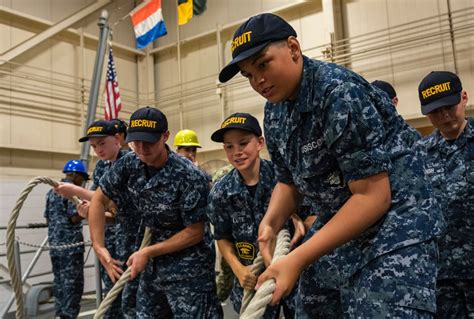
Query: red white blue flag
{"x": 113, "y": 103}
{"x": 147, "y": 20}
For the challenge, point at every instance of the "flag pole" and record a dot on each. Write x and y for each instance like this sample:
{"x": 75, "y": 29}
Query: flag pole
{"x": 95, "y": 84}
{"x": 178, "y": 49}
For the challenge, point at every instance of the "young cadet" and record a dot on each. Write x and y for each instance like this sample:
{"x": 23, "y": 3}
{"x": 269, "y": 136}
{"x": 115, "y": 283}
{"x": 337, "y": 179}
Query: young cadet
{"x": 122, "y": 237}
{"x": 448, "y": 155}
{"x": 65, "y": 228}
{"x": 171, "y": 195}
{"x": 409, "y": 134}
{"x": 333, "y": 139}
{"x": 187, "y": 143}
{"x": 121, "y": 127}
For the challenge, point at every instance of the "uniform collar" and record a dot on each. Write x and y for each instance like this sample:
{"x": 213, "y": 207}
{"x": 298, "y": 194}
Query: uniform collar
{"x": 304, "y": 102}
{"x": 436, "y": 139}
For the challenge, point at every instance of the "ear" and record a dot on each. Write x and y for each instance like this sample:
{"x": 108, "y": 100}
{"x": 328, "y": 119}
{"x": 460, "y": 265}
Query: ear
{"x": 294, "y": 47}
{"x": 464, "y": 97}
{"x": 260, "y": 143}
{"x": 165, "y": 136}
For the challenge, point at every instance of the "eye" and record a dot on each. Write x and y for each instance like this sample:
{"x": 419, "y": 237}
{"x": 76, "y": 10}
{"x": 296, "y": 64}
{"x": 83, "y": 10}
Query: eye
{"x": 262, "y": 65}
{"x": 245, "y": 74}
{"x": 228, "y": 146}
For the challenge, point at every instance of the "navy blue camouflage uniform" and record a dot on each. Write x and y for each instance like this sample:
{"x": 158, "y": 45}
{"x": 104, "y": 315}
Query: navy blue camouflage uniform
{"x": 169, "y": 199}
{"x": 122, "y": 239}
{"x": 67, "y": 264}
{"x": 450, "y": 167}
{"x": 236, "y": 214}
{"x": 339, "y": 129}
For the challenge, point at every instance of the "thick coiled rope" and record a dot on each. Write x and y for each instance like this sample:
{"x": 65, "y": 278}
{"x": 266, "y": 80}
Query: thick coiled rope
{"x": 117, "y": 288}
{"x": 255, "y": 303}
{"x": 10, "y": 239}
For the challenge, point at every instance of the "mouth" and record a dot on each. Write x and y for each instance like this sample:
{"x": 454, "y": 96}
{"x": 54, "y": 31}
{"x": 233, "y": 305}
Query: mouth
{"x": 239, "y": 161}
{"x": 266, "y": 92}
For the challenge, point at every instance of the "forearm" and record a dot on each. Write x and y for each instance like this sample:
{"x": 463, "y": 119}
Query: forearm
{"x": 97, "y": 218}
{"x": 187, "y": 237}
{"x": 361, "y": 211}
{"x": 227, "y": 249}
{"x": 284, "y": 202}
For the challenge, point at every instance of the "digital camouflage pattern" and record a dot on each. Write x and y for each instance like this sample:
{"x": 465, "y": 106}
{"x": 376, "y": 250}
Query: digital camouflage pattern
{"x": 236, "y": 215}
{"x": 68, "y": 284}
{"x": 340, "y": 129}
{"x": 169, "y": 199}
{"x": 67, "y": 264}
{"x": 450, "y": 167}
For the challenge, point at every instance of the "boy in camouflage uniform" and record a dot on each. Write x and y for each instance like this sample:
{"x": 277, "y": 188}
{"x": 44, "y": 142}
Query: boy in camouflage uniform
{"x": 334, "y": 138}
{"x": 65, "y": 228}
{"x": 170, "y": 193}
{"x": 238, "y": 201}
{"x": 448, "y": 154}
{"x": 122, "y": 236}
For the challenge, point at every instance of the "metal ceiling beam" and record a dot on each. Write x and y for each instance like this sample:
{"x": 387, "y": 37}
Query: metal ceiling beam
{"x": 51, "y": 31}
{"x": 42, "y": 24}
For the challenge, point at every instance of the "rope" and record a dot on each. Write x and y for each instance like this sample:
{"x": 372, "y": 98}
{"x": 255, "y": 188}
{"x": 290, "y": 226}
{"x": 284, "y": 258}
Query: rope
{"x": 10, "y": 238}
{"x": 255, "y": 303}
{"x": 117, "y": 288}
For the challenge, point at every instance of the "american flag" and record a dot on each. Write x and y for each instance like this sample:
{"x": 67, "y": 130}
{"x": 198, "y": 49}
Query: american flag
{"x": 112, "y": 93}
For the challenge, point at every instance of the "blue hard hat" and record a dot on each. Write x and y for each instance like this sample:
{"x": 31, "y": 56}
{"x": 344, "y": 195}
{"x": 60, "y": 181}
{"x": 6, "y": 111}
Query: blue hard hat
{"x": 75, "y": 166}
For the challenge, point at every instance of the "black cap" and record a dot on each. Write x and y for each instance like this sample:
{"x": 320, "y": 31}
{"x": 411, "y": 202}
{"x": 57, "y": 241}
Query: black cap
{"x": 99, "y": 128}
{"x": 146, "y": 124}
{"x": 438, "y": 89}
{"x": 120, "y": 125}
{"x": 253, "y": 36}
{"x": 386, "y": 87}
{"x": 241, "y": 121}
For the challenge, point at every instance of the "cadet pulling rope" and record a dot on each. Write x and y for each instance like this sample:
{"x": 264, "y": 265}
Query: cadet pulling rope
{"x": 10, "y": 238}
{"x": 255, "y": 303}
{"x": 117, "y": 288}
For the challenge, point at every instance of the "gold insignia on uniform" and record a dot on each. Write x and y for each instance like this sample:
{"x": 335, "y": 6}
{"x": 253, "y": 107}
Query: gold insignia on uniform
{"x": 245, "y": 250}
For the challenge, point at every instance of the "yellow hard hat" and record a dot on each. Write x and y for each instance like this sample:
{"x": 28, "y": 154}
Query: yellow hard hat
{"x": 186, "y": 138}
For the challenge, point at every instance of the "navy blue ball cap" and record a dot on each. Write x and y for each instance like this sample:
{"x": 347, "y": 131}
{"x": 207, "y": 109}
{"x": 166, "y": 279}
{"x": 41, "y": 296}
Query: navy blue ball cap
{"x": 386, "y": 87}
{"x": 438, "y": 89}
{"x": 252, "y": 37}
{"x": 99, "y": 128}
{"x": 241, "y": 121}
{"x": 146, "y": 124}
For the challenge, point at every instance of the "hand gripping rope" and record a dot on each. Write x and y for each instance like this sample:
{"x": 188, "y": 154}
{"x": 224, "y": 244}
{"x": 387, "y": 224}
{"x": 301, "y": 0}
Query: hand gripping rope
{"x": 10, "y": 238}
{"x": 255, "y": 303}
{"x": 117, "y": 288}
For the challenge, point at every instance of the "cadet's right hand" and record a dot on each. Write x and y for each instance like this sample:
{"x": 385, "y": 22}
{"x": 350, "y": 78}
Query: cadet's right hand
{"x": 67, "y": 190}
{"x": 266, "y": 243}
{"x": 246, "y": 279}
{"x": 112, "y": 266}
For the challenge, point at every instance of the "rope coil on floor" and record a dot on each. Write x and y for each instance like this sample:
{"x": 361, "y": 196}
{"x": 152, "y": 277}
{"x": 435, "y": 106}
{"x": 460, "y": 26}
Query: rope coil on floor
{"x": 10, "y": 239}
{"x": 254, "y": 303}
{"x": 117, "y": 288}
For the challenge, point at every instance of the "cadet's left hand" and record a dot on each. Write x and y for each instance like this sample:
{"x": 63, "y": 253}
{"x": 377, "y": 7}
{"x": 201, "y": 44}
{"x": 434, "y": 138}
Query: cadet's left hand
{"x": 66, "y": 189}
{"x": 285, "y": 272}
{"x": 300, "y": 230}
{"x": 137, "y": 262}
{"x": 83, "y": 209}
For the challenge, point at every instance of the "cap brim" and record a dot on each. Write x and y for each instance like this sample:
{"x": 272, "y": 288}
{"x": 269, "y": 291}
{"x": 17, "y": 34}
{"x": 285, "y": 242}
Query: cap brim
{"x": 143, "y": 136}
{"x": 445, "y": 101}
{"x": 218, "y": 136}
{"x": 87, "y": 137}
{"x": 231, "y": 69}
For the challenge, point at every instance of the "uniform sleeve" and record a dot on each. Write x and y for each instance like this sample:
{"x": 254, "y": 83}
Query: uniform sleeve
{"x": 219, "y": 217}
{"x": 46, "y": 206}
{"x": 113, "y": 182}
{"x": 193, "y": 200}
{"x": 354, "y": 132}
